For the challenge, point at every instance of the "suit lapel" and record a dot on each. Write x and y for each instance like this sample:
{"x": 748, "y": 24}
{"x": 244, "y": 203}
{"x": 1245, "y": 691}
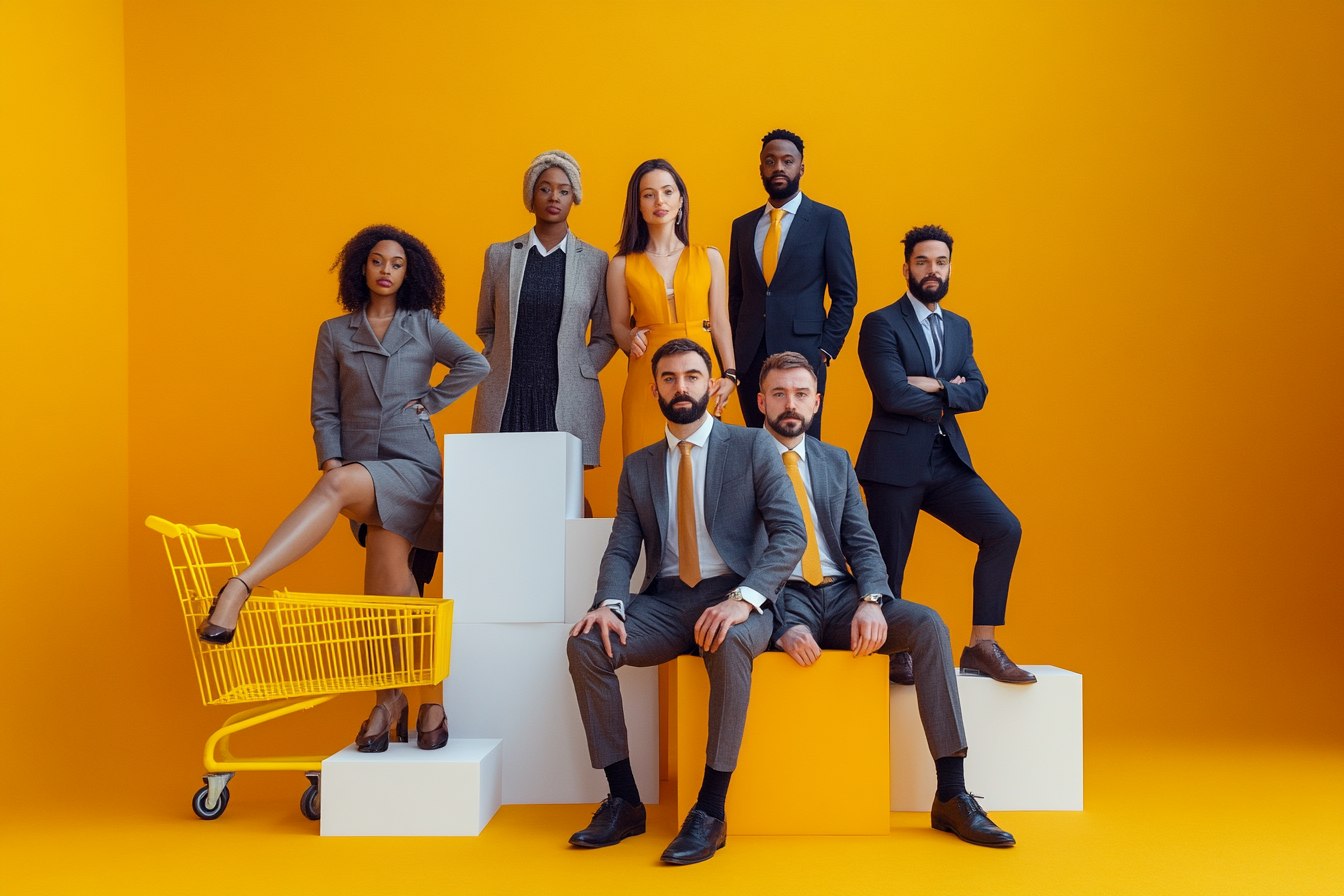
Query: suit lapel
{"x": 375, "y": 357}
{"x": 398, "y": 333}
{"x": 717, "y": 449}
{"x": 517, "y": 261}
{"x": 799, "y": 230}
{"x": 748, "y": 238}
{"x": 828, "y": 514}
{"x": 907, "y": 308}
{"x": 655, "y": 459}
{"x": 953, "y": 350}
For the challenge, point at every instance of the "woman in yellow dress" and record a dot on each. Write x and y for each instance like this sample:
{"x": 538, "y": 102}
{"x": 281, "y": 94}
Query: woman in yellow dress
{"x": 662, "y": 287}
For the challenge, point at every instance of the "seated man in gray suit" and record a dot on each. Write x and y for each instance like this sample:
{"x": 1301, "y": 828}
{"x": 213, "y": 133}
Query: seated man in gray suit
{"x": 824, "y": 606}
{"x": 721, "y": 530}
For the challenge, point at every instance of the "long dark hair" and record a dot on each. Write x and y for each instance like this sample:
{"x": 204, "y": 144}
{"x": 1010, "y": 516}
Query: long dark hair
{"x": 422, "y": 288}
{"x": 634, "y": 232}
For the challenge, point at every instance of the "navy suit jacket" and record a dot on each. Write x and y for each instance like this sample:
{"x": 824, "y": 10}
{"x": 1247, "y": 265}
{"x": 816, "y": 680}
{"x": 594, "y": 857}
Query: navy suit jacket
{"x": 900, "y": 435}
{"x": 790, "y": 314}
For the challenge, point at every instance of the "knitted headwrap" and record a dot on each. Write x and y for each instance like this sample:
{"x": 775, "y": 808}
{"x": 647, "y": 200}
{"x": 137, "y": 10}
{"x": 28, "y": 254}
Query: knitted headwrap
{"x": 553, "y": 159}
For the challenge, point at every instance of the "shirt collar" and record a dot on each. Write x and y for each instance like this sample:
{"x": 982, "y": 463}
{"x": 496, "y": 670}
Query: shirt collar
{"x": 783, "y": 449}
{"x": 790, "y": 207}
{"x": 699, "y": 438}
{"x": 532, "y": 241}
{"x": 921, "y": 310}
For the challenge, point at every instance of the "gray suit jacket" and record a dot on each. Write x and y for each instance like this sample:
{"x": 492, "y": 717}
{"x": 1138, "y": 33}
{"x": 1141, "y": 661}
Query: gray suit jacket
{"x": 361, "y": 387}
{"x": 578, "y": 407}
{"x": 750, "y": 510}
{"x": 843, "y": 518}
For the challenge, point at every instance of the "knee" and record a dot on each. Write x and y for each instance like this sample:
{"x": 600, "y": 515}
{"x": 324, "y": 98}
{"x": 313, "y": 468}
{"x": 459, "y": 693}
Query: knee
{"x": 333, "y": 483}
{"x": 925, "y": 624}
{"x": 1007, "y": 529}
{"x": 585, "y": 651}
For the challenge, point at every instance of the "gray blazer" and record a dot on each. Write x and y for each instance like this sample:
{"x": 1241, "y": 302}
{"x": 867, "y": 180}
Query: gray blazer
{"x": 578, "y": 407}
{"x": 361, "y": 386}
{"x": 750, "y": 510}
{"x": 843, "y": 518}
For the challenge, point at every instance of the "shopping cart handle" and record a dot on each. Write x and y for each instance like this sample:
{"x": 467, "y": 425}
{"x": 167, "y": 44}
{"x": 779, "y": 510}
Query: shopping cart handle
{"x": 214, "y": 530}
{"x": 162, "y": 526}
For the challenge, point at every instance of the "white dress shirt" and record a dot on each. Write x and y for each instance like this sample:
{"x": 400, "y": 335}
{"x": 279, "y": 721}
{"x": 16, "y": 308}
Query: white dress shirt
{"x": 828, "y": 565}
{"x": 923, "y": 313}
{"x": 763, "y": 224}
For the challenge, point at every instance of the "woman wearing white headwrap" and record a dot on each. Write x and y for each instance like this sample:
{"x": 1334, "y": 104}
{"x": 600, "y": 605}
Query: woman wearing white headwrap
{"x": 539, "y": 294}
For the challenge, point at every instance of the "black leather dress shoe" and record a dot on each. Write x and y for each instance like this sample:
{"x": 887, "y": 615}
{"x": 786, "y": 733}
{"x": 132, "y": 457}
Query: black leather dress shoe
{"x": 902, "y": 668}
{"x": 613, "y": 821}
{"x": 701, "y": 836}
{"x": 963, "y": 816}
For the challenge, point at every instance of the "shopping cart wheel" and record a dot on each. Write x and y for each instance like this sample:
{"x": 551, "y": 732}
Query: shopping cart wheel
{"x": 211, "y": 800}
{"x": 310, "y": 804}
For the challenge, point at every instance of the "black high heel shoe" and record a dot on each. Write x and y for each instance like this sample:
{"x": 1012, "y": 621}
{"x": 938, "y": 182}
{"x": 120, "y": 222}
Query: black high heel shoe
{"x": 367, "y": 741}
{"x": 218, "y": 634}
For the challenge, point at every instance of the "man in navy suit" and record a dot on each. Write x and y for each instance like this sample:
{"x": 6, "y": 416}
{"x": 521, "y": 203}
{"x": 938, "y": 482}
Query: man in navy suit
{"x": 783, "y": 258}
{"x": 918, "y": 359}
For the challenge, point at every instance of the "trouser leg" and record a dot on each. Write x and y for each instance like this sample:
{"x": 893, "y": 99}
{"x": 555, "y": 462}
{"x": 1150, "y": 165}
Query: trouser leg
{"x": 729, "y": 670}
{"x": 893, "y": 511}
{"x": 920, "y": 630}
{"x": 655, "y": 633}
{"x": 750, "y": 387}
{"x": 966, "y": 503}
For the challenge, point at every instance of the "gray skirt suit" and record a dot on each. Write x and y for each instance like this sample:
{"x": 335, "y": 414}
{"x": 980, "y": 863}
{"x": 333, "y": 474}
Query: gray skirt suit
{"x": 584, "y": 341}
{"x": 360, "y": 390}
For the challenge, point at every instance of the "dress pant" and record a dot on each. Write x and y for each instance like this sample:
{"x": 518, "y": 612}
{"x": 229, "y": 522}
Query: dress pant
{"x": 659, "y": 627}
{"x": 951, "y": 492}
{"x": 751, "y": 387}
{"x": 828, "y": 610}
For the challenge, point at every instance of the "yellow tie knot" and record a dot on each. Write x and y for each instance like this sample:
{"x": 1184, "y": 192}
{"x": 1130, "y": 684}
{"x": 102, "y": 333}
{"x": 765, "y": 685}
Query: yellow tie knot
{"x": 776, "y": 215}
{"x": 791, "y": 459}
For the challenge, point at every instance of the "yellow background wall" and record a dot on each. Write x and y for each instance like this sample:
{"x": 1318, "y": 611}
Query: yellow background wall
{"x": 1144, "y": 198}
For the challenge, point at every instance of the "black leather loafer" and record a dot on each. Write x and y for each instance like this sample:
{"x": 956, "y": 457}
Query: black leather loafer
{"x": 963, "y": 816}
{"x": 701, "y": 836}
{"x": 613, "y": 821}
{"x": 902, "y": 668}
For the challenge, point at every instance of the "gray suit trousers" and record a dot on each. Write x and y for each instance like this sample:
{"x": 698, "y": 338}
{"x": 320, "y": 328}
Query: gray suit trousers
{"x": 659, "y": 627}
{"x": 828, "y": 610}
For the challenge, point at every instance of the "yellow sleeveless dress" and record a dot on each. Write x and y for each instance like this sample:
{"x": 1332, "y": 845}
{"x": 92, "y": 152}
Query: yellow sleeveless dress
{"x": 642, "y": 421}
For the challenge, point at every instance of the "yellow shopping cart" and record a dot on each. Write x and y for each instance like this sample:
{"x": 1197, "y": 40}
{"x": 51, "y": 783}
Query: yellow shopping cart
{"x": 294, "y": 651}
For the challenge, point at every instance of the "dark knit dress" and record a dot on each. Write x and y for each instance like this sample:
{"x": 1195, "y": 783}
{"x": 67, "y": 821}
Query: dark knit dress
{"x": 534, "y": 377}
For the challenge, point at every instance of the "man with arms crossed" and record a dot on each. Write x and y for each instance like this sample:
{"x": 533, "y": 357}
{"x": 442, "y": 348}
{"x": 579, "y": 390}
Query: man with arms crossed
{"x": 715, "y": 513}
{"x": 782, "y": 259}
{"x": 918, "y": 360}
{"x": 825, "y": 607}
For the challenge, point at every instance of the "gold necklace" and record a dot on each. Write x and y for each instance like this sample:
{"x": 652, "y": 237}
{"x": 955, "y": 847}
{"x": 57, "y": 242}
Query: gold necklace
{"x": 662, "y": 254}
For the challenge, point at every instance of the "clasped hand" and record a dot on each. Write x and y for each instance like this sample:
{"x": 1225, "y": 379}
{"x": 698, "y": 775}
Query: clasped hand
{"x": 710, "y": 629}
{"x": 931, "y": 385}
{"x": 867, "y": 632}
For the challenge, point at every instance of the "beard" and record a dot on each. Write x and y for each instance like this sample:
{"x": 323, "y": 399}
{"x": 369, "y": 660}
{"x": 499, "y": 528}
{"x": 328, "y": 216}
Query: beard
{"x": 783, "y": 192}
{"x": 790, "y": 424}
{"x": 680, "y": 415}
{"x": 931, "y": 292}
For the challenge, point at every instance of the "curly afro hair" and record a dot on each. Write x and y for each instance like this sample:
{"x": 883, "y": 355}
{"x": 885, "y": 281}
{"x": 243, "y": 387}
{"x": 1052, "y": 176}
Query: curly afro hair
{"x": 916, "y": 235}
{"x": 422, "y": 288}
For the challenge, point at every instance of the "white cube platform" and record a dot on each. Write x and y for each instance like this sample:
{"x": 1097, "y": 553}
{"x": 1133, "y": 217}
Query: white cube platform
{"x": 512, "y": 681}
{"x": 506, "y": 498}
{"x": 1025, "y": 744}
{"x": 409, "y": 792}
{"x": 585, "y": 543}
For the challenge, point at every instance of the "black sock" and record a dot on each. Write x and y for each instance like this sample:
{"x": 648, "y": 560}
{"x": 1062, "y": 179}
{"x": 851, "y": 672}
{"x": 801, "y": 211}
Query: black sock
{"x": 621, "y": 781}
{"x": 951, "y": 777}
{"x": 713, "y": 792}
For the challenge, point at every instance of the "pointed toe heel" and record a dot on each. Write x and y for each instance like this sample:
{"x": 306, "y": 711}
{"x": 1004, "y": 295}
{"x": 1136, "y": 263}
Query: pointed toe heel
{"x": 217, "y": 634}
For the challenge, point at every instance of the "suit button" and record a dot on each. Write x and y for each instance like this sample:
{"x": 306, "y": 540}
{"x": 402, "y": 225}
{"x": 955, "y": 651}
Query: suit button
{"x": 767, "y": 292}
{"x": 517, "y": 245}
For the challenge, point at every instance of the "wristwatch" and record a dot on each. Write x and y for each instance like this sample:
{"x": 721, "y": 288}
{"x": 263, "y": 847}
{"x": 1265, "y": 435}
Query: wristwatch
{"x": 872, "y": 599}
{"x": 735, "y": 594}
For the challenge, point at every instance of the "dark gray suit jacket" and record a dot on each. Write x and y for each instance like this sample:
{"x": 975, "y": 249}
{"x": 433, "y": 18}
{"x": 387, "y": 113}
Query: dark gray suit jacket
{"x": 790, "y": 314}
{"x": 750, "y": 510}
{"x": 843, "y": 518}
{"x": 905, "y": 419}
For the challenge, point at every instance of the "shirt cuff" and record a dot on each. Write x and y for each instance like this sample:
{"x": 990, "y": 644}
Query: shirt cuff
{"x": 753, "y": 597}
{"x": 616, "y": 606}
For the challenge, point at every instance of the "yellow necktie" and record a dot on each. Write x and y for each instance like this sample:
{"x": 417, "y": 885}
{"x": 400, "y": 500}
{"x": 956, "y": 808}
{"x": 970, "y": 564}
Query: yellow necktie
{"x": 688, "y": 539}
{"x": 770, "y": 251}
{"x": 811, "y": 556}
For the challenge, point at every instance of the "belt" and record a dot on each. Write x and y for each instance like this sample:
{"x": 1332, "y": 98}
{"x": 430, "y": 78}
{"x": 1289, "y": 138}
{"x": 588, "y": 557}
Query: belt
{"x": 827, "y": 580}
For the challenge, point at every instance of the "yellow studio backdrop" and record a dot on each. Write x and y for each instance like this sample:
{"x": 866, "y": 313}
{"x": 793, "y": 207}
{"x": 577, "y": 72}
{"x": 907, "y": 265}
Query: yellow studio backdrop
{"x": 1144, "y": 198}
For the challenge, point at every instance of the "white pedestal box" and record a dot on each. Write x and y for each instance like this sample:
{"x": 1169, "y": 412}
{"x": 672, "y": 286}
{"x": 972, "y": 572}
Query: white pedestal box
{"x": 409, "y": 792}
{"x": 585, "y": 543}
{"x": 512, "y": 681}
{"x": 1025, "y": 744}
{"x": 506, "y": 497}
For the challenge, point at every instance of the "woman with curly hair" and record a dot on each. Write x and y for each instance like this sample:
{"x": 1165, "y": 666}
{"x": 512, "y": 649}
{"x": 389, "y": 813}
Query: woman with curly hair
{"x": 376, "y": 448}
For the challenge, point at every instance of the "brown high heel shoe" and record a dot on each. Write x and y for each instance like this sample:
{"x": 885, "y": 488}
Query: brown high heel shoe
{"x": 377, "y": 729}
{"x": 435, "y": 737}
{"x": 218, "y": 634}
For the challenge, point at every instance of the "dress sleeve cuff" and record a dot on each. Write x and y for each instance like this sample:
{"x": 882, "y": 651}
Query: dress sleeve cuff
{"x": 616, "y": 606}
{"x": 753, "y": 597}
